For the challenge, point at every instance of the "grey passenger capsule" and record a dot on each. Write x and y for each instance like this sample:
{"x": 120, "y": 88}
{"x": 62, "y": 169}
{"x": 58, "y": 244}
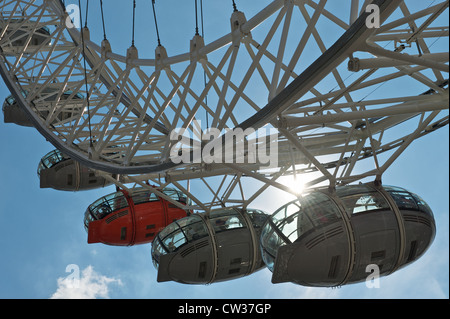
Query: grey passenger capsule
{"x": 202, "y": 249}
{"x": 13, "y": 112}
{"x": 330, "y": 239}
{"x": 62, "y": 173}
{"x": 18, "y": 33}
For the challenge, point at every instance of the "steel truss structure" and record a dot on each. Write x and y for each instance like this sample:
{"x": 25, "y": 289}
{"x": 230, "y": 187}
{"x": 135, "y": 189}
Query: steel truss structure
{"x": 318, "y": 79}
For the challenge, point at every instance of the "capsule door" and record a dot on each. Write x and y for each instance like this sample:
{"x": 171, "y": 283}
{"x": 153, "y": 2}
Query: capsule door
{"x": 173, "y": 212}
{"x": 150, "y": 219}
{"x": 375, "y": 228}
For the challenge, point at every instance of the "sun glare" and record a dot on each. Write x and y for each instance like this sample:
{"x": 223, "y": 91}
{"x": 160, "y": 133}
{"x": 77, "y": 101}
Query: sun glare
{"x": 297, "y": 185}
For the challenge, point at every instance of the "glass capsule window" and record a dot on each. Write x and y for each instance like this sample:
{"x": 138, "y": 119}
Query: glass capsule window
{"x": 174, "y": 240}
{"x": 26, "y": 25}
{"x": 298, "y": 217}
{"x": 277, "y": 230}
{"x": 52, "y": 158}
{"x": 407, "y": 200}
{"x": 257, "y": 218}
{"x": 361, "y": 198}
{"x": 193, "y": 227}
{"x": 403, "y": 199}
{"x": 177, "y": 234}
{"x": 226, "y": 220}
{"x": 176, "y": 195}
{"x": 157, "y": 251}
{"x": 320, "y": 209}
{"x": 49, "y": 160}
{"x": 108, "y": 204}
{"x": 270, "y": 241}
{"x": 87, "y": 219}
{"x": 422, "y": 205}
{"x": 173, "y": 194}
{"x": 291, "y": 225}
{"x": 143, "y": 196}
{"x": 10, "y": 100}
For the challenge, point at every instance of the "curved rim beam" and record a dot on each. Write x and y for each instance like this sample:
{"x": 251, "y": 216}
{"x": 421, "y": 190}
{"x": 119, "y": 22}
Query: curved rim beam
{"x": 334, "y": 56}
{"x": 345, "y": 134}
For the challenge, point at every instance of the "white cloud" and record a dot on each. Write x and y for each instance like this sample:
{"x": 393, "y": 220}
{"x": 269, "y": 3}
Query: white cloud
{"x": 87, "y": 285}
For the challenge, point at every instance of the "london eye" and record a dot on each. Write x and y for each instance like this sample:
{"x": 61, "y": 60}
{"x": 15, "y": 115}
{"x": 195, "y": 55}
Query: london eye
{"x": 297, "y": 97}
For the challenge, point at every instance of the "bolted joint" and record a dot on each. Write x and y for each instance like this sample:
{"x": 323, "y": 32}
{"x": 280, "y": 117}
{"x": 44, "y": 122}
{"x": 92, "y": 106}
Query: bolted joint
{"x": 353, "y": 65}
{"x": 93, "y": 153}
{"x": 132, "y": 54}
{"x": 377, "y": 182}
{"x": 197, "y": 43}
{"x": 86, "y": 34}
{"x": 106, "y": 49}
{"x": 237, "y": 20}
{"x": 160, "y": 57}
{"x": 282, "y": 122}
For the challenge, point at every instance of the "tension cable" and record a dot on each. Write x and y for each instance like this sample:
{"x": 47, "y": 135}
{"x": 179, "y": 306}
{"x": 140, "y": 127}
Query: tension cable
{"x": 196, "y": 18}
{"x": 134, "y": 21}
{"x": 204, "y": 72}
{"x": 103, "y": 19}
{"x": 234, "y": 6}
{"x": 85, "y": 78}
{"x": 87, "y": 12}
{"x": 156, "y": 23}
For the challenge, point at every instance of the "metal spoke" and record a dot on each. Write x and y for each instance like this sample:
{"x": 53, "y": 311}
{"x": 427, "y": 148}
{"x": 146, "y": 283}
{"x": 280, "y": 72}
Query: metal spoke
{"x": 324, "y": 93}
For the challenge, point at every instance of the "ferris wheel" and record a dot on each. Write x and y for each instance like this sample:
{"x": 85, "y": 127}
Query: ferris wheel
{"x": 365, "y": 91}
{"x": 299, "y": 89}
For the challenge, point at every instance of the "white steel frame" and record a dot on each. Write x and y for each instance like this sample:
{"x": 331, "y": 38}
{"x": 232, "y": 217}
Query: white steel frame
{"x": 325, "y": 110}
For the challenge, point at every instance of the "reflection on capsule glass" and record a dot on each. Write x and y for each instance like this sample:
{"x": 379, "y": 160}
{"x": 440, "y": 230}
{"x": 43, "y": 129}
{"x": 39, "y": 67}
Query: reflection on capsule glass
{"x": 326, "y": 239}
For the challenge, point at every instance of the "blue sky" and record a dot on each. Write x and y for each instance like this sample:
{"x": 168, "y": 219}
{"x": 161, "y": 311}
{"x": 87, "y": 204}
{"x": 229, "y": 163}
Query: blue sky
{"x": 42, "y": 233}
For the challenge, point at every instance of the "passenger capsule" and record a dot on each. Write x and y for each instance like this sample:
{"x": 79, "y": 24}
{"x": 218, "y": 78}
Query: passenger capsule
{"x": 63, "y": 173}
{"x": 326, "y": 239}
{"x": 202, "y": 249}
{"x": 126, "y": 219}
{"x": 13, "y": 113}
{"x": 18, "y": 32}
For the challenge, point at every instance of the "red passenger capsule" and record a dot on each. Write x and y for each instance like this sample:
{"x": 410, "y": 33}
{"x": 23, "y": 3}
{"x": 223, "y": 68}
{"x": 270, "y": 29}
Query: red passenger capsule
{"x": 126, "y": 219}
